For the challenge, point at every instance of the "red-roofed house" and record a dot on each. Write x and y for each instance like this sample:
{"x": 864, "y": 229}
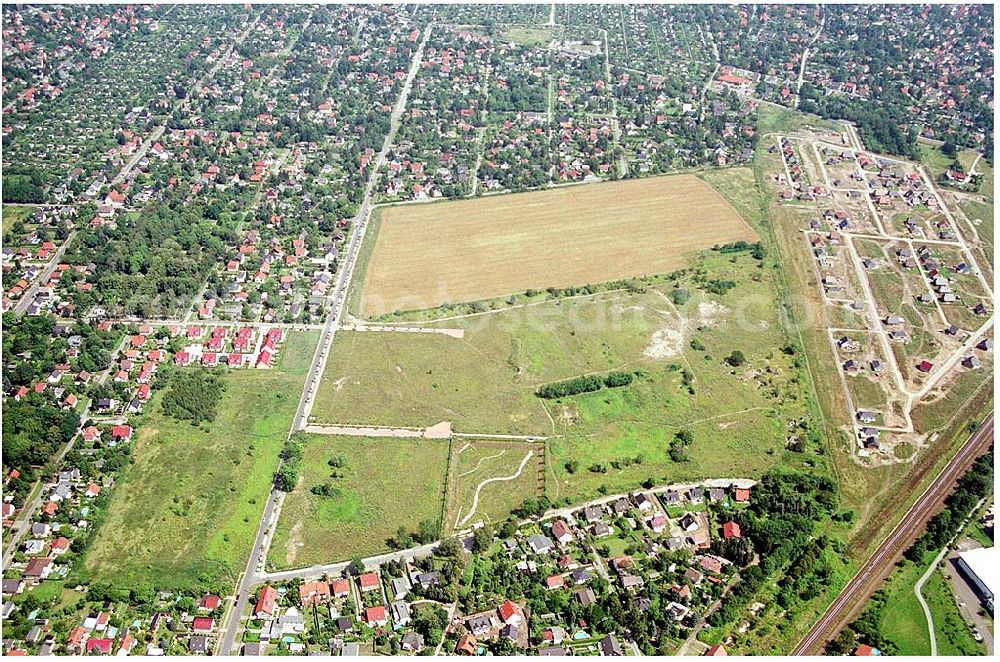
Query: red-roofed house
{"x": 376, "y": 616}
{"x": 717, "y": 650}
{"x": 99, "y": 646}
{"x": 127, "y": 644}
{"x": 509, "y": 613}
{"x": 121, "y": 432}
{"x": 730, "y": 530}
{"x": 38, "y": 568}
{"x": 561, "y": 532}
{"x": 203, "y": 624}
{"x": 340, "y": 588}
{"x": 266, "y": 602}
{"x": 59, "y": 546}
{"x": 711, "y": 564}
{"x": 76, "y": 638}
{"x": 368, "y": 582}
{"x": 314, "y": 593}
{"x": 210, "y": 603}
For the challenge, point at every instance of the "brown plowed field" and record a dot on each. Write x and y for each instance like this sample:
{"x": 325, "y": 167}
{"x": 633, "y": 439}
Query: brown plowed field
{"x": 468, "y": 250}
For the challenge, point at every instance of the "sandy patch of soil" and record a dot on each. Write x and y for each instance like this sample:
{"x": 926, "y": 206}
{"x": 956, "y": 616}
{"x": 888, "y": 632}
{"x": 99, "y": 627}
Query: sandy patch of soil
{"x": 665, "y": 343}
{"x": 710, "y": 311}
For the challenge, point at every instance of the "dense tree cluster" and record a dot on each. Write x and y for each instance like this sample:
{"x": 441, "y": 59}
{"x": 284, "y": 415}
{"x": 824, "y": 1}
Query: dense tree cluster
{"x": 23, "y": 185}
{"x": 154, "y": 262}
{"x": 779, "y": 523}
{"x": 972, "y": 487}
{"x": 586, "y": 384}
{"x": 193, "y": 396}
{"x": 33, "y": 430}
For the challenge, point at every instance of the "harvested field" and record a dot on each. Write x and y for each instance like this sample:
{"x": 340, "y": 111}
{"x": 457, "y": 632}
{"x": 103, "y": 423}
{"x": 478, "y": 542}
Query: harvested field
{"x": 469, "y": 250}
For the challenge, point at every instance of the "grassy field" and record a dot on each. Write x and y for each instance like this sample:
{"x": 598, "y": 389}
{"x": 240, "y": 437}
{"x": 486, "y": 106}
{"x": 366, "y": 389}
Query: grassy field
{"x": 486, "y": 381}
{"x": 616, "y": 438}
{"x": 952, "y": 632}
{"x": 468, "y": 250}
{"x": 935, "y": 160}
{"x": 905, "y": 624}
{"x": 295, "y": 357}
{"x": 185, "y": 513}
{"x": 476, "y": 462}
{"x": 904, "y": 621}
{"x": 385, "y": 484}
{"x": 12, "y": 214}
{"x": 528, "y": 36}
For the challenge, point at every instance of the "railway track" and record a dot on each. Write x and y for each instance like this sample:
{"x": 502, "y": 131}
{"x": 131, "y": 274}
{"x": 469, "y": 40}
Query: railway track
{"x": 866, "y": 582}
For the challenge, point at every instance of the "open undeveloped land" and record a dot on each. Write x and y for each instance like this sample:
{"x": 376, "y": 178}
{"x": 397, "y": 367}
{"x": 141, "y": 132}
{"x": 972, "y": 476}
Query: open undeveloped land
{"x": 429, "y": 254}
{"x": 489, "y": 479}
{"x": 382, "y": 485}
{"x": 677, "y": 329}
{"x": 186, "y": 511}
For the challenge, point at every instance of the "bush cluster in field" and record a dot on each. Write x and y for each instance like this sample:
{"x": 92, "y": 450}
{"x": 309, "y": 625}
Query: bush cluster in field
{"x": 587, "y": 384}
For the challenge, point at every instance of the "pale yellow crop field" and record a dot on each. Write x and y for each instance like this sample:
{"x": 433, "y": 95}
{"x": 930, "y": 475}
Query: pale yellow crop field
{"x": 468, "y": 250}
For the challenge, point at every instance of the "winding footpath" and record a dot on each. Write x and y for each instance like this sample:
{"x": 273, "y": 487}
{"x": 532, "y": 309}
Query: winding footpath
{"x": 923, "y": 603}
{"x": 479, "y": 488}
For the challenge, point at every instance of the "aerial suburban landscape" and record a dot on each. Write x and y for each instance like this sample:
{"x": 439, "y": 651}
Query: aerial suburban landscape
{"x": 498, "y": 329}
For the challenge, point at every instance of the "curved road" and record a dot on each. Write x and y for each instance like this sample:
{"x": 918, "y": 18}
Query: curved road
{"x": 854, "y": 596}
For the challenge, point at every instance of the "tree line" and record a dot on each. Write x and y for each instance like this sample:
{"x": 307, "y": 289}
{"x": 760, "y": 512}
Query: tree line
{"x": 586, "y": 384}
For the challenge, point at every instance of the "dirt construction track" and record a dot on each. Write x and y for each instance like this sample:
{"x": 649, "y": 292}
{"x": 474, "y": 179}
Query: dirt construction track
{"x": 429, "y": 254}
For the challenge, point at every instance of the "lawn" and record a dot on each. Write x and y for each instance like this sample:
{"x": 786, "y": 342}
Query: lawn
{"x": 904, "y": 622}
{"x": 953, "y": 634}
{"x": 457, "y": 251}
{"x": 614, "y": 439}
{"x": 485, "y": 382}
{"x": 186, "y": 512}
{"x": 384, "y": 484}
{"x": 981, "y": 212}
{"x": 935, "y": 160}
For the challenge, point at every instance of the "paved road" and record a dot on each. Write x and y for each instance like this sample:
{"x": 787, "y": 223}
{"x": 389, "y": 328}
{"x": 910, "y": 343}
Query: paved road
{"x": 968, "y": 601}
{"x": 292, "y": 326}
{"x": 29, "y": 296}
{"x": 317, "y": 571}
{"x": 855, "y": 595}
{"x": 272, "y": 509}
{"x": 22, "y": 523}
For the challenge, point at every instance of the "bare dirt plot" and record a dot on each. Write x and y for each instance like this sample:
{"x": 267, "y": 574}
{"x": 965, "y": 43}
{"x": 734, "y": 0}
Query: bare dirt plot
{"x": 470, "y": 250}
